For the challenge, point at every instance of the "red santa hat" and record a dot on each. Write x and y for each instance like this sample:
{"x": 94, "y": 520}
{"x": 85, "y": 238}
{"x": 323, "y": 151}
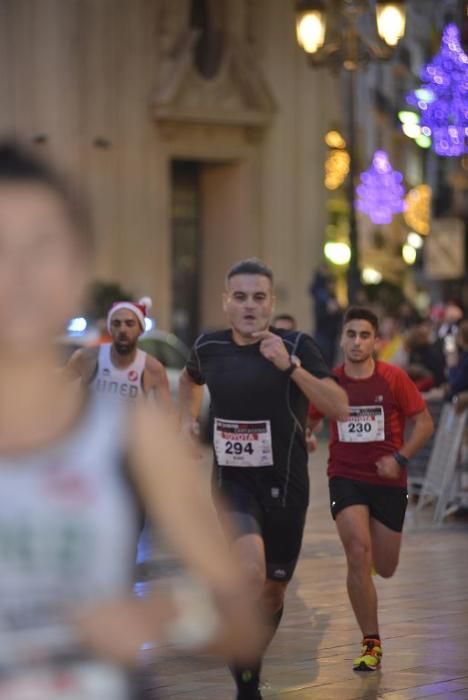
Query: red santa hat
{"x": 139, "y": 308}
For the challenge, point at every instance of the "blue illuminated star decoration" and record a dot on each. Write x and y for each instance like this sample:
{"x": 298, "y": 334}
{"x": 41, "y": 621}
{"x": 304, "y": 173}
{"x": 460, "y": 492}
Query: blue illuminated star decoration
{"x": 443, "y": 96}
{"x": 381, "y": 193}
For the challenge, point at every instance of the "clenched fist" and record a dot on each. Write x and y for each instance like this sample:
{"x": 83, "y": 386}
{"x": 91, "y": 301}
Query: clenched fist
{"x": 273, "y": 349}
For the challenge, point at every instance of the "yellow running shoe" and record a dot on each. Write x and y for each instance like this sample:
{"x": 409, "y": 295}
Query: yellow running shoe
{"x": 371, "y": 655}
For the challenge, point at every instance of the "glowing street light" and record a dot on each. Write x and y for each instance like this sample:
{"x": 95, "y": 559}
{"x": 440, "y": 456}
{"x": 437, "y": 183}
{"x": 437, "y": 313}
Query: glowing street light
{"x": 311, "y": 24}
{"x": 371, "y": 276}
{"x": 407, "y": 117}
{"x": 409, "y": 254}
{"x": 415, "y": 240}
{"x": 391, "y": 20}
{"x": 337, "y": 253}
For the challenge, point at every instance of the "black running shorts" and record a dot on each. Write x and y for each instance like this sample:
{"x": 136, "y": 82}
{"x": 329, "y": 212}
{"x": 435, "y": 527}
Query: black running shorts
{"x": 387, "y": 504}
{"x": 281, "y": 528}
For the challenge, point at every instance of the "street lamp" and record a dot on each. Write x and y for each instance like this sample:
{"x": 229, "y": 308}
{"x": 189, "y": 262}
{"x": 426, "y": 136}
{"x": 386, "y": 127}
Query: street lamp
{"x": 311, "y": 24}
{"x": 391, "y": 20}
{"x": 332, "y": 35}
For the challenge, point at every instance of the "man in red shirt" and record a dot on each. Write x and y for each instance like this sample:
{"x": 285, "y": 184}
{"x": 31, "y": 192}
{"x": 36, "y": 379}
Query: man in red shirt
{"x": 367, "y": 469}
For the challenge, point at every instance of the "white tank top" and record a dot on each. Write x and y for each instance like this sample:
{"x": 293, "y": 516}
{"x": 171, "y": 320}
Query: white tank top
{"x": 123, "y": 383}
{"x": 68, "y": 532}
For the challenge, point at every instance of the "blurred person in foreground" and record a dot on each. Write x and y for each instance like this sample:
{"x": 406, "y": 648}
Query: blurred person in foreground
{"x": 72, "y": 469}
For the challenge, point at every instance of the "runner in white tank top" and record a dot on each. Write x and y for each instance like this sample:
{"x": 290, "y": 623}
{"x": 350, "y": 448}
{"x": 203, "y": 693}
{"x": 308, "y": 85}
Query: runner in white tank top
{"x": 68, "y": 530}
{"x": 67, "y": 506}
{"x": 120, "y": 369}
{"x": 111, "y": 380}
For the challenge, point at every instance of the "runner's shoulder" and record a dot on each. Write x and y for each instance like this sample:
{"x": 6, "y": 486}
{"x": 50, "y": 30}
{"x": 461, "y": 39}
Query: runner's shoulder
{"x": 213, "y": 338}
{"x": 398, "y": 380}
{"x": 390, "y": 372}
{"x": 295, "y": 340}
{"x": 83, "y": 363}
{"x": 153, "y": 366}
{"x": 86, "y": 355}
{"x": 339, "y": 371}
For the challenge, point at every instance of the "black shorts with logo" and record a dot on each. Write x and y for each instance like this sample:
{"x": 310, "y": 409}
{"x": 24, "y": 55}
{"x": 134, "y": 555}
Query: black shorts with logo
{"x": 387, "y": 504}
{"x": 259, "y": 511}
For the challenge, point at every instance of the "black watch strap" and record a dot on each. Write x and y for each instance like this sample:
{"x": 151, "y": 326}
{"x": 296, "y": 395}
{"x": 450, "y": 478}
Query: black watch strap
{"x": 290, "y": 369}
{"x": 401, "y": 459}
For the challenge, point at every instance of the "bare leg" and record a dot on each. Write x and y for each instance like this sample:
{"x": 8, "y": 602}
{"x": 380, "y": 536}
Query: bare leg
{"x": 273, "y": 601}
{"x": 386, "y": 546}
{"x": 354, "y": 529}
{"x": 250, "y": 550}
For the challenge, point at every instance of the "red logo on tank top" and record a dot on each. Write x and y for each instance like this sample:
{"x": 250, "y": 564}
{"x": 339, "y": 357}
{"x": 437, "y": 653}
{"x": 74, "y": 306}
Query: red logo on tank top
{"x": 132, "y": 375}
{"x": 68, "y": 486}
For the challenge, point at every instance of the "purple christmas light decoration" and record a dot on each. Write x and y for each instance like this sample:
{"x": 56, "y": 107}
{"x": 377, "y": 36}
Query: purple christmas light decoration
{"x": 381, "y": 193}
{"x": 443, "y": 96}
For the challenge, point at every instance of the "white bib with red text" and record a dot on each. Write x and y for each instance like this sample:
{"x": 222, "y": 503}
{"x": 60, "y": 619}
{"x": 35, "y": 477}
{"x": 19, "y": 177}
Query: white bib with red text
{"x": 243, "y": 443}
{"x": 364, "y": 424}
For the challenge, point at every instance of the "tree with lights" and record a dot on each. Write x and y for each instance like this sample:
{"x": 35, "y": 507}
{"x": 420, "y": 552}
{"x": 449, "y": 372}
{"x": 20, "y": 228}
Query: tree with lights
{"x": 443, "y": 96}
{"x": 381, "y": 193}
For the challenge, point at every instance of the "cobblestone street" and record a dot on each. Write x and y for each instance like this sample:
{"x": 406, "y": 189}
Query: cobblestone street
{"x": 423, "y": 614}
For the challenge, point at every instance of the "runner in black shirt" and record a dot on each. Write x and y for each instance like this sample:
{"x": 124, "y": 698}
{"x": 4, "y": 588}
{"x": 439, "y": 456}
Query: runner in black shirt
{"x": 261, "y": 381}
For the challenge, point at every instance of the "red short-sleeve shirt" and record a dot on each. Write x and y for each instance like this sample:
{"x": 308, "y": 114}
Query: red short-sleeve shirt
{"x": 379, "y": 407}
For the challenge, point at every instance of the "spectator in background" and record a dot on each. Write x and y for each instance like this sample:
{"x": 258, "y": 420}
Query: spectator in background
{"x": 457, "y": 363}
{"x": 284, "y": 321}
{"x": 426, "y": 362}
{"x": 408, "y": 315}
{"x": 328, "y": 314}
{"x": 391, "y": 348}
{"x": 453, "y": 314}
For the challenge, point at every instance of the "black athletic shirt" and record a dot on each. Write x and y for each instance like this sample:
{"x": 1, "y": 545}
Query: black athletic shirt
{"x": 245, "y": 386}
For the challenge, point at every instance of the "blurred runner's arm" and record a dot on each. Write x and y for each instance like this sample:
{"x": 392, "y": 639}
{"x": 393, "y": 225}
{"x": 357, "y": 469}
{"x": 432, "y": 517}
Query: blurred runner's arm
{"x": 176, "y": 495}
{"x": 156, "y": 382}
{"x": 190, "y": 400}
{"x": 218, "y": 614}
{"x": 81, "y": 365}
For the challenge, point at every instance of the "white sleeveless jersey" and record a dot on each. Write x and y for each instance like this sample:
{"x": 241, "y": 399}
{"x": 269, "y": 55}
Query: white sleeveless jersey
{"x": 123, "y": 383}
{"x": 68, "y": 531}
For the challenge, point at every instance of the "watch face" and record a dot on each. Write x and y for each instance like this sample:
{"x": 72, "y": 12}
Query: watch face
{"x": 295, "y": 360}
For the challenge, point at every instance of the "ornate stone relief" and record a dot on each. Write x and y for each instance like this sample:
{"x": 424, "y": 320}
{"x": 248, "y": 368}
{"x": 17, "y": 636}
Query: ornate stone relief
{"x": 237, "y": 94}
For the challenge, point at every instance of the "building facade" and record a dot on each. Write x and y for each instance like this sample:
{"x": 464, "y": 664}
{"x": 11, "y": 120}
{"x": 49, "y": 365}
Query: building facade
{"x": 196, "y": 130}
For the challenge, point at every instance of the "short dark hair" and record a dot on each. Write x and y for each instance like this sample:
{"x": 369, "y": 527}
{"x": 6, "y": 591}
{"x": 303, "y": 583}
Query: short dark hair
{"x": 250, "y": 266}
{"x": 284, "y": 317}
{"x": 19, "y": 165}
{"x": 361, "y": 313}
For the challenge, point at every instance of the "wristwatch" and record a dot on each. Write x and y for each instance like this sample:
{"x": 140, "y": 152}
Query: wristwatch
{"x": 401, "y": 459}
{"x": 294, "y": 363}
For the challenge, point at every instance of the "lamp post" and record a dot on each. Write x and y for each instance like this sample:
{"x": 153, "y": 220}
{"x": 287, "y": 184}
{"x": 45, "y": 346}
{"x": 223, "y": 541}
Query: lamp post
{"x": 332, "y": 36}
